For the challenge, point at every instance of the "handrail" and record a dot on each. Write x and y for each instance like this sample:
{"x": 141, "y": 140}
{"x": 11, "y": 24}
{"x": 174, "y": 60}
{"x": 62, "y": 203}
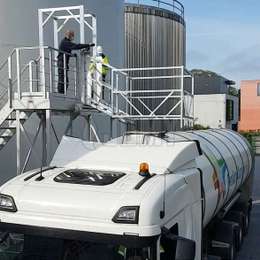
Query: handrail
{"x": 6, "y": 61}
{"x": 170, "y": 5}
{"x": 3, "y": 65}
{"x": 151, "y": 68}
{"x": 14, "y": 81}
{"x": 28, "y": 48}
{"x": 18, "y": 75}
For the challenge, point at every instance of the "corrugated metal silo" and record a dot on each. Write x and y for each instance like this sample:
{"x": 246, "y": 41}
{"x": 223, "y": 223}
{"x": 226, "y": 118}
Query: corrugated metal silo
{"x": 155, "y": 36}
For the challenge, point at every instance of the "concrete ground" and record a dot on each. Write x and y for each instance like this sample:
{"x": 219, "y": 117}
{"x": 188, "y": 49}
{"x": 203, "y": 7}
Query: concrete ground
{"x": 251, "y": 246}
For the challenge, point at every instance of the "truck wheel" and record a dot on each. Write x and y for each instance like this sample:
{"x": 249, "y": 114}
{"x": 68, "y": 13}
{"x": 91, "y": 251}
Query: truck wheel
{"x": 231, "y": 253}
{"x": 245, "y": 208}
{"x": 224, "y": 243}
{"x": 239, "y": 240}
{"x": 237, "y": 217}
{"x": 246, "y": 222}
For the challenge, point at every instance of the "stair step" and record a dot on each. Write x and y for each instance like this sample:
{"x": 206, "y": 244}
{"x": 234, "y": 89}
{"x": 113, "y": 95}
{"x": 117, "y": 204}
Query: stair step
{"x": 8, "y": 128}
{"x": 8, "y": 132}
{"x": 6, "y": 136}
{"x": 14, "y": 119}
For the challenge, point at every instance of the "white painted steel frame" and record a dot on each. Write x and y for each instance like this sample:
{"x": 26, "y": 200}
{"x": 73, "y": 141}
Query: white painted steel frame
{"x": 46, "y": 127}
{"x": 178, "y": 94}
{"x": 123, "y": 91}
{"x": 75, "y": 13}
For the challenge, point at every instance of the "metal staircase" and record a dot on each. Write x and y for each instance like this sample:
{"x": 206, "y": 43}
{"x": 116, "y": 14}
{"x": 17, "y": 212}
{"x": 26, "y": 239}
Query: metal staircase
{"x": 8, "y": 124}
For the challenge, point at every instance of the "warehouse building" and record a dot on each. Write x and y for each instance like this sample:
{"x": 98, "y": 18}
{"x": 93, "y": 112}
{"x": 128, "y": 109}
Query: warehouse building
{"x": 216, "y": 100}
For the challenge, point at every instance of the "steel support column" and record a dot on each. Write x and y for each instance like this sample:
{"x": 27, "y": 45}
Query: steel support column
{"x": 88, "y": 128}
{"x": 48, "y": 136}
{"x": 182, "y": 97}
{"x": 111, "y": 128}
{"x": 18, "y": 142}
{"x": 44, "y": 139}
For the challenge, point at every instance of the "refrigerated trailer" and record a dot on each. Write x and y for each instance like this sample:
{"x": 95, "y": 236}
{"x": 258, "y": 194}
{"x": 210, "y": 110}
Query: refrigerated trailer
{"x": 176, "y": 195}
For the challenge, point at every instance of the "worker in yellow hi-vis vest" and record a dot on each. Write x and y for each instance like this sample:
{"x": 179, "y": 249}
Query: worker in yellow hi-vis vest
{"x": 97, "y": 73}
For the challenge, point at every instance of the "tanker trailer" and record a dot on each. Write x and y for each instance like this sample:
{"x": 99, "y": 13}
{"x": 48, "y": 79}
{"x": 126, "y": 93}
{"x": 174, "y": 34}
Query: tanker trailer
{"x": 145, "y": 196}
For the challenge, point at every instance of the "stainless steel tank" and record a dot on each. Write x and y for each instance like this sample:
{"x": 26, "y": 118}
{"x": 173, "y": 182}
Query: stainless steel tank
{"x": 227, "y": 160}
{"x": 155, "y": 36}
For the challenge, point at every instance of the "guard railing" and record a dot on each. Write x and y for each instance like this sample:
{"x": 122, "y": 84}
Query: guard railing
{"x": 31, "y": 71}
{"x": 170, "y": 5}
{"x": 158, "y": 93}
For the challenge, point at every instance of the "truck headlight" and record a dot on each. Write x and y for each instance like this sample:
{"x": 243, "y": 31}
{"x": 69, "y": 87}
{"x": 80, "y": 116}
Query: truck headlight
{"x": 127, "y": 215}
{"x": 7, "y": 203}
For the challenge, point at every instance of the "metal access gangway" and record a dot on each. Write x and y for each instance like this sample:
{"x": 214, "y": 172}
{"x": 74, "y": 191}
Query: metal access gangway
{"x": 29, "y": 85}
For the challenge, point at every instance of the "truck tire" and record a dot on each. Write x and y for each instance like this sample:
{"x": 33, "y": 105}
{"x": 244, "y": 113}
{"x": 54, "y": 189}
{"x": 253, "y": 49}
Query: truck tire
{"x": 246, "y": 222}
{"x": 239, "y": 218}
{"x": 246, "y": 209}
{"x": 226, "y": 234}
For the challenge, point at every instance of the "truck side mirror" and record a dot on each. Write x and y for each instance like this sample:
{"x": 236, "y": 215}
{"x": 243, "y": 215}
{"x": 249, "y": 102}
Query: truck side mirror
{"x": 186, "y": 249}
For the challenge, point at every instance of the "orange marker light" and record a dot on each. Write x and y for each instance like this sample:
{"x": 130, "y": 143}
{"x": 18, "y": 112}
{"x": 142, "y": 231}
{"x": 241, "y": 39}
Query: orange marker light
{"x": 144, "y": 169}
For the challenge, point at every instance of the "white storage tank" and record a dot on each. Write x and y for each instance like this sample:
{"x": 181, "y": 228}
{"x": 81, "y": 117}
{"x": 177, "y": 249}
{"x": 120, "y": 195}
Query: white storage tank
{"x": 227, "y": 159}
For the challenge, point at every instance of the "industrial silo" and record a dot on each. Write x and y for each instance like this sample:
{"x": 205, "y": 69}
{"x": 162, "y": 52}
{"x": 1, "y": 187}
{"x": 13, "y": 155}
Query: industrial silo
{"x": 155, "y": 36}
{"x": 19, "y": 27}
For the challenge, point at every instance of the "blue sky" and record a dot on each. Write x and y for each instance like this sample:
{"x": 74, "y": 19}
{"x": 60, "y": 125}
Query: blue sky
{"x": 224, "y": 36}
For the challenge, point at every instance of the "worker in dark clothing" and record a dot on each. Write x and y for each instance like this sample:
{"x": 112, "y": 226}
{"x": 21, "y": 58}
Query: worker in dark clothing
{"x": 67, "y": 45}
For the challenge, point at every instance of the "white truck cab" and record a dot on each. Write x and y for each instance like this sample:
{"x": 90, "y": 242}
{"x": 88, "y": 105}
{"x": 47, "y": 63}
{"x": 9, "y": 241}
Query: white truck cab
{"x": 119, "y": 200}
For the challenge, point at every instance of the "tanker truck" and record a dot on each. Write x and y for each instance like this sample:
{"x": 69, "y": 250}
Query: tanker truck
{"x": 142, "y": 196}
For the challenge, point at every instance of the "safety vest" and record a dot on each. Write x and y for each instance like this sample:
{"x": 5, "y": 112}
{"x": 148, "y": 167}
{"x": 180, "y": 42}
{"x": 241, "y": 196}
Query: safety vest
{"x": 105, "y": 61}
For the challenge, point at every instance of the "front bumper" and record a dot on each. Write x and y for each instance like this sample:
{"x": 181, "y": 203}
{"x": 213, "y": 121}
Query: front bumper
{"x": 126, "y": 240}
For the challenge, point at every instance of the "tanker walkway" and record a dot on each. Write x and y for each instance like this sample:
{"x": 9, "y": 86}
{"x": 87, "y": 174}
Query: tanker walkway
{"x": 251, "y": 246}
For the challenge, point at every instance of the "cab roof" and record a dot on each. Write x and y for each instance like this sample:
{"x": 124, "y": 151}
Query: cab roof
{"x": 162, "y": 158}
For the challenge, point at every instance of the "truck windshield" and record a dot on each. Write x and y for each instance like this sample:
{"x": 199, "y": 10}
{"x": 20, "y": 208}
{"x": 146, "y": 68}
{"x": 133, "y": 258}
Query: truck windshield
{"x": 24, "y": 247}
